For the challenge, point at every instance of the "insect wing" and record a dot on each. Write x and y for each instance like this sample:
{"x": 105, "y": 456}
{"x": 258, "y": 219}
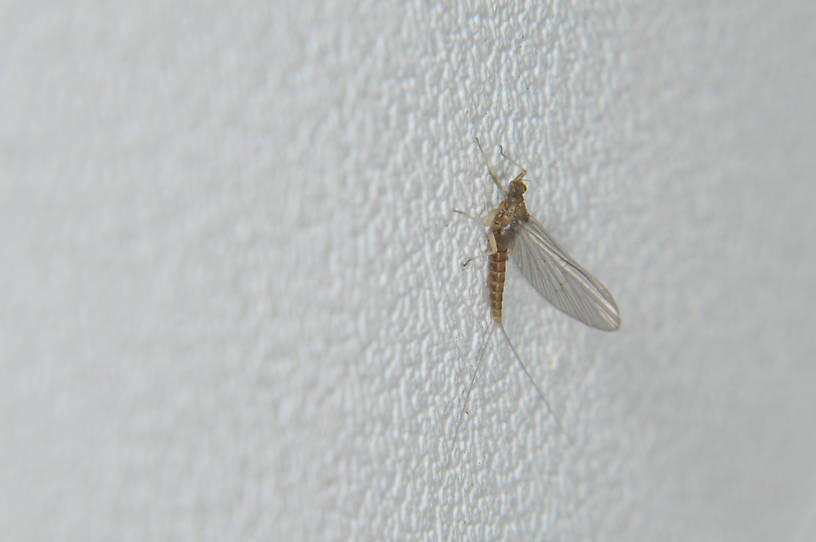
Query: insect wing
{"x": 559, "y": 278}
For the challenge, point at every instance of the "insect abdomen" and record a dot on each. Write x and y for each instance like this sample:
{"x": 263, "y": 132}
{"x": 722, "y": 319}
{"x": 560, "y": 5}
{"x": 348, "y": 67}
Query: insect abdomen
{"x": 497, "y": 267}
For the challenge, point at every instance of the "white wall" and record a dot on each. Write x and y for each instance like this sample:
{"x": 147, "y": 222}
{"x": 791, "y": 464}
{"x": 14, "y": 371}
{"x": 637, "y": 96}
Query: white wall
{"x": 233, "y": 306}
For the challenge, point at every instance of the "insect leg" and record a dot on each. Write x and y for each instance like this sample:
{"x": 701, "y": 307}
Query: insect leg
{"x": 491, "y": 239}
{"x": 463, "y": 213}
{"x": 477, "y": 257}
{"x": 523, "y": 169}
{"x": 494, "y": 248}
{"x": 490, "y": 171}
{"x": 487, "y": 221}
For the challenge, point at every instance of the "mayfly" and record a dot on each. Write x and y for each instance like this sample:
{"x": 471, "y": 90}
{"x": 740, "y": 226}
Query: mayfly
{"x": 512, "y": 231}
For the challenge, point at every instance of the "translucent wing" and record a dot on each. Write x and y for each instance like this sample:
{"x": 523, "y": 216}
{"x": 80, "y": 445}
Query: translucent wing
{"x": 559, "y": 278}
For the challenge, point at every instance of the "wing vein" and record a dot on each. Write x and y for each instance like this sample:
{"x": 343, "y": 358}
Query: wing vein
{"x": 560, "y": 279}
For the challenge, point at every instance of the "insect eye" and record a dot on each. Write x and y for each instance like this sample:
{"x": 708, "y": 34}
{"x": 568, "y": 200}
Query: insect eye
{"x": 518, "y": 187}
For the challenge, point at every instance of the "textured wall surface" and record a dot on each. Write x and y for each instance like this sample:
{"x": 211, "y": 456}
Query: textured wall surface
{"x": 232, "y": 300}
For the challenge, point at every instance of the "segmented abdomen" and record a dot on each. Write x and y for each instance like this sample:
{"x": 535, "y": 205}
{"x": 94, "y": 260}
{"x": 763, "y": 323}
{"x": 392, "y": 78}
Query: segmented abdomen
{"x": 497, "y": 267}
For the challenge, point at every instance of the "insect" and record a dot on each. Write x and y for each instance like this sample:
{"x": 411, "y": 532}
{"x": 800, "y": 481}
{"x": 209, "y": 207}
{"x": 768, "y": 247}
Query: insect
{"x": 513, "y": 232}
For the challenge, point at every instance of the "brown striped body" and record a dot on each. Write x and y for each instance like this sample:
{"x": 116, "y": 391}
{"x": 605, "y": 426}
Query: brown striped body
{"x": 497, "y": 269}
{"x": 509, "y": 211}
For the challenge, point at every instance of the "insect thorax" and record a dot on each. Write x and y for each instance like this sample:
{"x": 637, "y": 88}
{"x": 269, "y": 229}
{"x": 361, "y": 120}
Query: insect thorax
{"x": 509, "y": 211}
